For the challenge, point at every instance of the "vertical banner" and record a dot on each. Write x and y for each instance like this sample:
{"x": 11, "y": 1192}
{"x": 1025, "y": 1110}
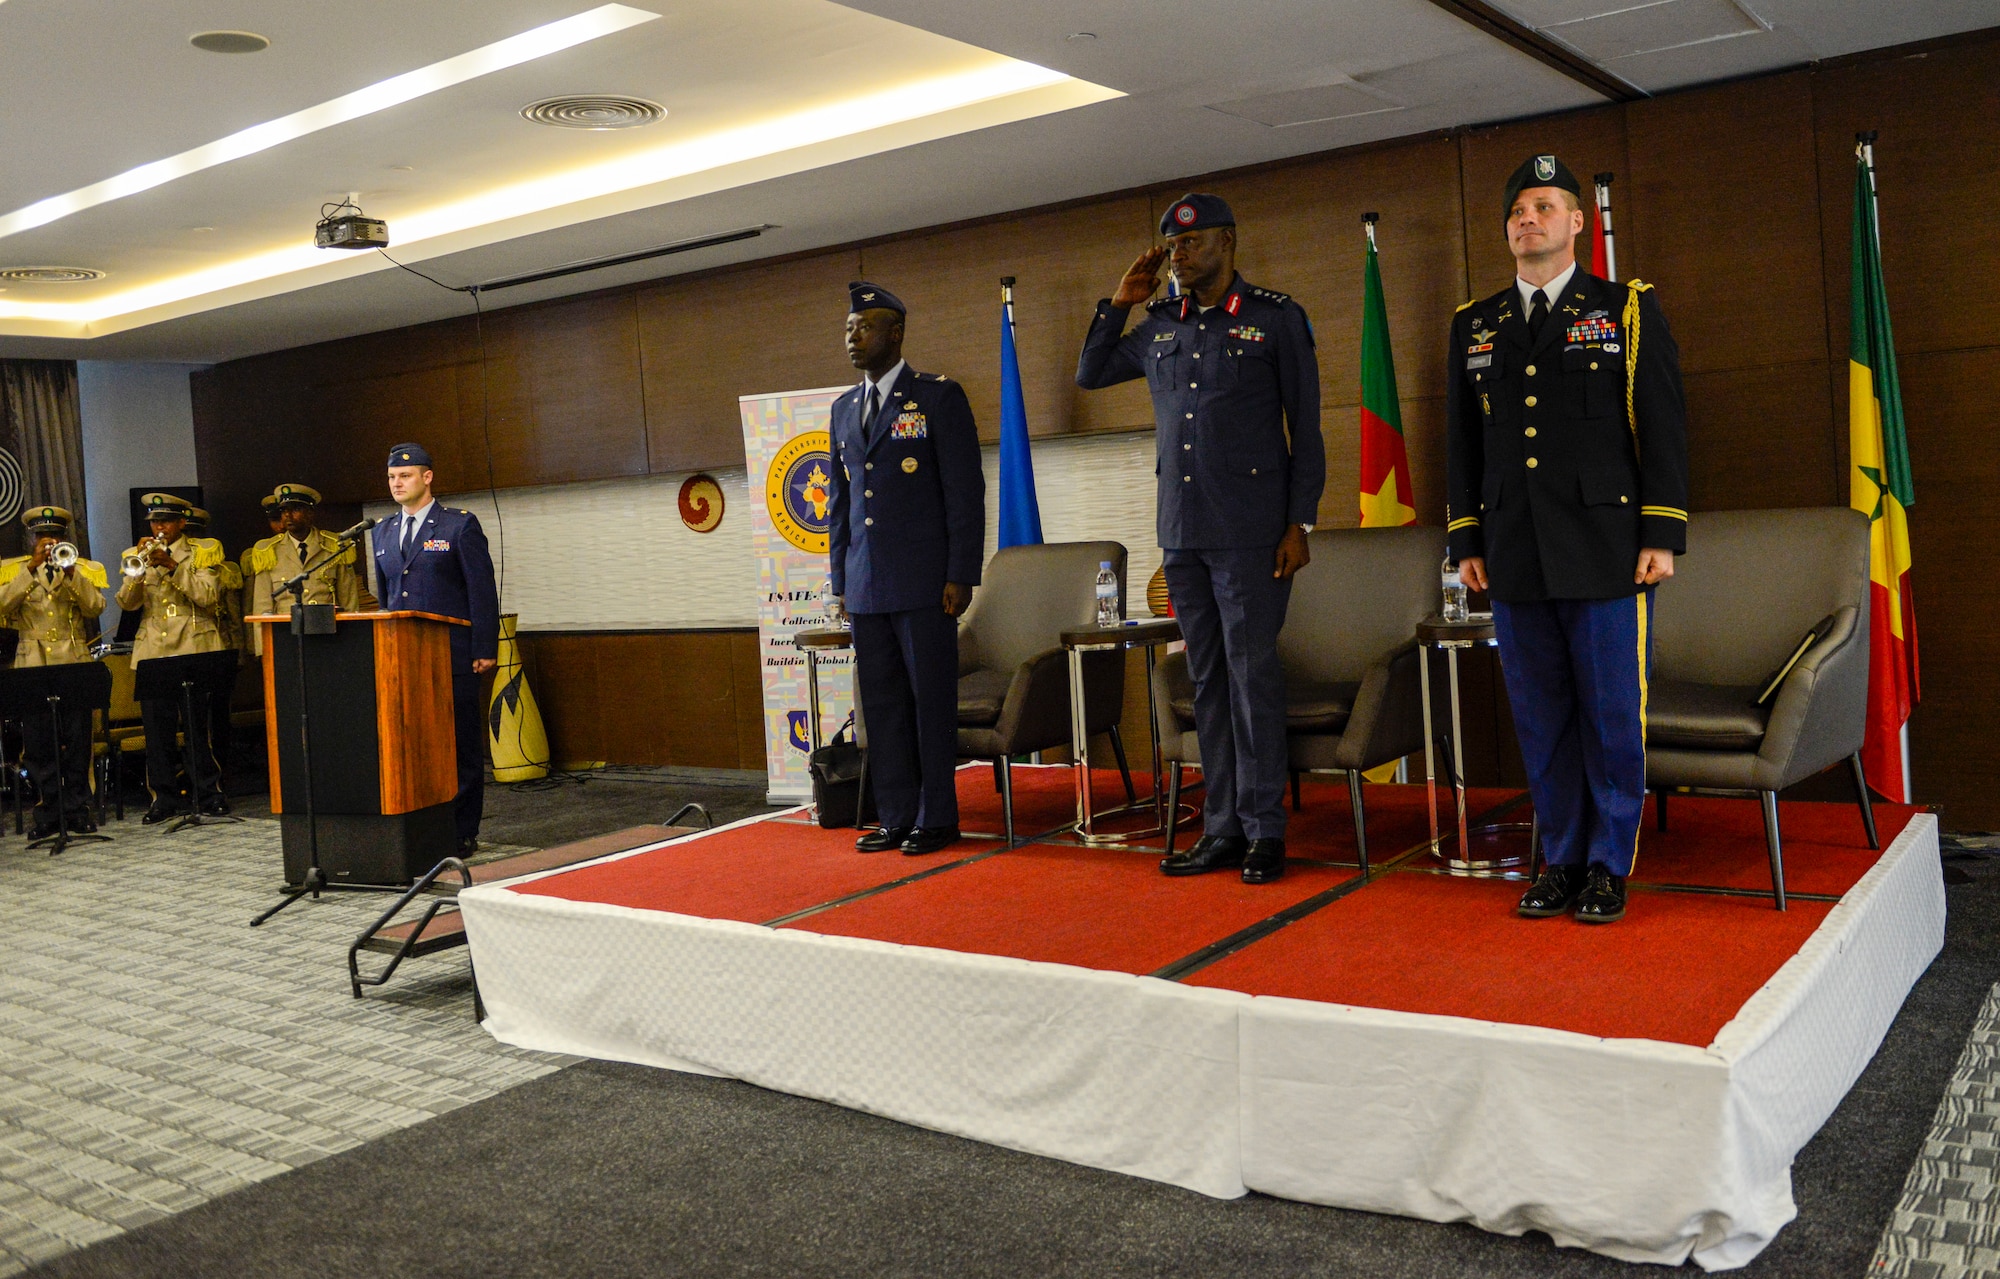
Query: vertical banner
{"x": 787, "y": 446}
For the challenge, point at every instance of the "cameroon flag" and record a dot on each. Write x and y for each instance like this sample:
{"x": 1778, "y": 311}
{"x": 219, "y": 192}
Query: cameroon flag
{"x": 1386, "y": 497}
{"x": 1879, "y": 486}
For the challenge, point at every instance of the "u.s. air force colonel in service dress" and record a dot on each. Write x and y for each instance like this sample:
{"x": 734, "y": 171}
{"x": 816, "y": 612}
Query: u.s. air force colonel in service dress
{"x": 906, "y": 514}
{"x": 1567, "y": 453}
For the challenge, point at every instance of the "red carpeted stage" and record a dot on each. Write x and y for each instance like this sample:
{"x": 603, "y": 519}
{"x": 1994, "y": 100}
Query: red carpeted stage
{"x": 1405, "y": 1044}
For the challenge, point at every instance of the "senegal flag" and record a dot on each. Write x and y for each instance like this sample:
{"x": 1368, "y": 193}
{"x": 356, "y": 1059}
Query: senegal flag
{"x": 1879, "y": 486}
{"x": 1386, "y": 497}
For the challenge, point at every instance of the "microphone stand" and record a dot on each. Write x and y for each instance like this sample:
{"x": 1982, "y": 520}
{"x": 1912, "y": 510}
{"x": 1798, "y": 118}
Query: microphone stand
{"x": 315, "y": 880}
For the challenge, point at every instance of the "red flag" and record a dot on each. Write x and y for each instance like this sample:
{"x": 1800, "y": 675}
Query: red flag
{"x": 1603, "y": 257}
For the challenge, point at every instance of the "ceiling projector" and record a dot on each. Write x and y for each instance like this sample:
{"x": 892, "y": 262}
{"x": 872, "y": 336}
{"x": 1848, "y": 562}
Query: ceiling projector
{"x": 345, "y": 226}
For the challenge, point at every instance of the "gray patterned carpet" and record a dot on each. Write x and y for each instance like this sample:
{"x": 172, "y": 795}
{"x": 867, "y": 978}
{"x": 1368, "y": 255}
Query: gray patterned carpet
{"x": 155, "y": 1052}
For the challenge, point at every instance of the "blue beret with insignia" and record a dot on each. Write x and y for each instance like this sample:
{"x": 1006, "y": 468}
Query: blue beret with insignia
{"x": 409, "y": 455}
{"x": 863, "y": 296}
{"x": 1539, "y": 171}
{"x": 1194, "y": 212}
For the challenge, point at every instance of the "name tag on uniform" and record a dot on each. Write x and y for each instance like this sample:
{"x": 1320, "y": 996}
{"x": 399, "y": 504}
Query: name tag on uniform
{"x": 1478, "y": 361}
{"x": 437, "y": 544}
{"x": 909, "y": 426}
{"x": 1163, "y": 337}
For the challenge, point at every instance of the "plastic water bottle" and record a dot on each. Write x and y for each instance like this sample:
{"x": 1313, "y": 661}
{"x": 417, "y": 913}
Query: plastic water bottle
{"x": 1107, "y": 595}
{"x": 1454, "y": 593}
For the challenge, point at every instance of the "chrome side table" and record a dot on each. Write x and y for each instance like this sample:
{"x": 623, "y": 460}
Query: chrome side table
{"x": 1149, "y": 634}
{"x": 1452, "y": 637}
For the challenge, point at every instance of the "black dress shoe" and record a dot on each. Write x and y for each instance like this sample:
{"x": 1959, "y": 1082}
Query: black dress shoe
{"x": 1603, "y": 898}
{"x": 929, "y": 839}
{"x": 43, "y": 828}
{"x": 1210, "y": 852}
{"x": 882, "y": 839}
{"x": 215, "y": 806}
{"x": 160, "y": 813}
{"x": 468, "y": 846}
{"x": 1265, "y": 862}
{"x": 1553, "y": 892}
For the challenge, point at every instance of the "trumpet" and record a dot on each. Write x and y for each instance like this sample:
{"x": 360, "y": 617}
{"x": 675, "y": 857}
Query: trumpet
{"x": 133, "y": 563}
{"x": 63, "y": 556}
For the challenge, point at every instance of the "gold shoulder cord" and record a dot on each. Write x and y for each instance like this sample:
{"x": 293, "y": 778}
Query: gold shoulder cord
{"x": 1632, "y": 292}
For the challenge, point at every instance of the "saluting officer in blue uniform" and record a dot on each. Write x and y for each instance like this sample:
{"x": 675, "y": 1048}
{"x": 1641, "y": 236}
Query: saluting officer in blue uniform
{"x": 430, "y": 558}
{"x": 1567, "y": 497}
{"x": 1235, "y": 385}
{"x": 906, "y": 530}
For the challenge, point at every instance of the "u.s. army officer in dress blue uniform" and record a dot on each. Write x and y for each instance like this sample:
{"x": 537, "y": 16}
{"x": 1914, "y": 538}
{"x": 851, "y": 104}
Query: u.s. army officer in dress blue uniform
{"x": 906, "y": 532}
{"x": 1235, "y": 386}
{"x": 430, "y": 558}
{"x": 1566, "y": 493}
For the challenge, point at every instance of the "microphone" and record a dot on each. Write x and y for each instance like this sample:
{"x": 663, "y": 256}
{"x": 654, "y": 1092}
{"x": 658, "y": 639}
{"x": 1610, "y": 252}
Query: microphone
{"x": 355, "y": 532}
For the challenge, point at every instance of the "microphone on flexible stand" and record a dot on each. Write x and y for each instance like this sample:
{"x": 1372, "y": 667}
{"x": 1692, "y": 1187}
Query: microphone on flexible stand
{"x": 355, "y": 533}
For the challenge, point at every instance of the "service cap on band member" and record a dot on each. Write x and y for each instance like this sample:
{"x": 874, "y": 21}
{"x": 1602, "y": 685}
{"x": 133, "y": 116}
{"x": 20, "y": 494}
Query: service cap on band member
{"x": 197, "y": 519}
{"x": 1539, "y": 171}
{"x": 167, "y": 505}
{"x": 46, "y": 519}
{"x": 269, "y": 502}
{"x": 409, "y": 455}
{"x": 863, "y": 296}
{"x": 296, "y": 495}
{"x": 1196, "y": 211}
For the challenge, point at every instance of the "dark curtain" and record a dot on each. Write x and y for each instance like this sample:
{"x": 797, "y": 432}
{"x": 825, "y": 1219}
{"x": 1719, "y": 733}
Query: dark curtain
{"x": 41, "y": 448}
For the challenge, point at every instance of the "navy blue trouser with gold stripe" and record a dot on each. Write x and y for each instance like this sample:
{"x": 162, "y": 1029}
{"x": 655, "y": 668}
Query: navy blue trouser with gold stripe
{"x": 1576, "y": 675}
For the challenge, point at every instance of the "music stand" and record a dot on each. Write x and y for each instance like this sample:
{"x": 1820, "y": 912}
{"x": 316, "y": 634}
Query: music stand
{"x": 38, "y": 690}
{"x": 307, "y": 619}
{"x": 192, "y": 677}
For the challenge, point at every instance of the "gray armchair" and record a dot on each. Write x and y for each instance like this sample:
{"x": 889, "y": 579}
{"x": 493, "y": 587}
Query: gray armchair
{"x": 1013, "y": 675}
{"x": 1352, "y": 697}
{"x": 1752, "y": 584}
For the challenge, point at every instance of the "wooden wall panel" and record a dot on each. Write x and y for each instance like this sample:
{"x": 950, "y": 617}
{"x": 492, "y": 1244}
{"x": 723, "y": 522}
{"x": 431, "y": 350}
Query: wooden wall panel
{"x": 566, "y": 399}
{"x": 705, "y": 341}
{"x": 1589, "y": 142}
{"x": 1741, "y": 288}
{"x": 1761, "y": 437}
{"x": 700, "y": 699}
{"x": 1063, "y": 262}
{"x": 1937, "y": 173}
{"x": 649, "y": 697}
{"x": 1957, "y": 469}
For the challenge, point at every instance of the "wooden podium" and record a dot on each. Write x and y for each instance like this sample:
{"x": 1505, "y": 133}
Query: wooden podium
{"x": 384, "y": 746}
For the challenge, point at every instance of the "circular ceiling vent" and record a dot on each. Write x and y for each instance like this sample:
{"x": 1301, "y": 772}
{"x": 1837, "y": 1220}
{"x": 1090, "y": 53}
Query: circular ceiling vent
{"x": 49, "y": 274}
{"x": 229, "y": 41}
{"x": 594, "y": 111}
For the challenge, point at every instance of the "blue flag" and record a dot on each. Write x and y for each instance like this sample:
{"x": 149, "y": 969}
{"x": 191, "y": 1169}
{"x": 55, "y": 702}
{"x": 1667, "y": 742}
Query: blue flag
{"x": 1020, "y": 513}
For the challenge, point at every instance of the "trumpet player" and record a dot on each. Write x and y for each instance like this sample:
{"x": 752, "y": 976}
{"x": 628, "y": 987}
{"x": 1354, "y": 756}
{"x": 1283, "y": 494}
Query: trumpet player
{"x": 174, "y": 584}
{"x": 53, "y": 598}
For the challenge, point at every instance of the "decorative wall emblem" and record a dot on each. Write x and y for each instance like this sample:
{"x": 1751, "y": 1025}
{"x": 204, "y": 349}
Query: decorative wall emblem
{"x": 701, "y": 503}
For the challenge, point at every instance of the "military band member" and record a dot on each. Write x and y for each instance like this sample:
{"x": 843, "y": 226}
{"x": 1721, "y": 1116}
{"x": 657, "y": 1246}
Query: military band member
{"x": 176, "y": 594}
{"x": 906, "y": 535}
{"x": 432, "y": 558}
{"x": 1235, "y": 386}
{"x": 272, "y": 516}
{"x": 278, "y": 559}
{"x": 235, "y": 634}
{"x": 1566, "y": 499}
{"x": 55, "y": 611}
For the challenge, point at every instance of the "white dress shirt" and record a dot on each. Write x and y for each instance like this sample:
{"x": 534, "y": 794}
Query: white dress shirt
{"x": 1552, "y": 290}
{"x": 406, "y": 535}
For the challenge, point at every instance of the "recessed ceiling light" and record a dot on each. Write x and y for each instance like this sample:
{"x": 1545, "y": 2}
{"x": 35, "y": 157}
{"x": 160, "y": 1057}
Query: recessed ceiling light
{"x": 513, "y": 51}
{"x": 229, "y": 41}
{"x": 50, "y": 274}
{"x": 403, "y": 168}
{"x": 594, "y": 111}
{"x": 1081, "y": 37}
{"x": 201, "y": 228}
